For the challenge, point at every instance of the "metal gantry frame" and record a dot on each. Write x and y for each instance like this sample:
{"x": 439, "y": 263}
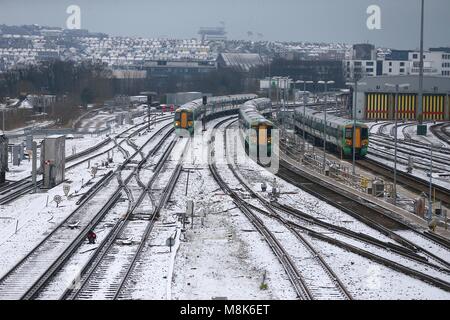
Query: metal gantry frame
{"x": 305, "y": 82}
{"x": 355, "y": 84}
{"x": 326, "y": 83}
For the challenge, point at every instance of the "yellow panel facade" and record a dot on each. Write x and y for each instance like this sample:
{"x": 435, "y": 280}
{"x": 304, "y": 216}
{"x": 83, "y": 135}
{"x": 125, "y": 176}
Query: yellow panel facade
{"x": 433, "y": 107}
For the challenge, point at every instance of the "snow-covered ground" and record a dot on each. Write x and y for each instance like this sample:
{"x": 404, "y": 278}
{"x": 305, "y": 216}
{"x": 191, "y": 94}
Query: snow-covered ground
{"x": 219, "y": 253}
{"x": 34, "y": 218}
{"x": 389, "y": 284}
{"x": 409, "y": 129}
{"x": 405, "y": 132}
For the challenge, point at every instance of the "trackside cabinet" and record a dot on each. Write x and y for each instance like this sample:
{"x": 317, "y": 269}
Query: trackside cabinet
{"x": 53, "y": 161}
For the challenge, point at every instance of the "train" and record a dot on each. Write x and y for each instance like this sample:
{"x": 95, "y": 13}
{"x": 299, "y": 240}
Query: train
{"x": 256, "y": 130}
{"x": 339, "y": 131}
{"x": 186, "y": 115}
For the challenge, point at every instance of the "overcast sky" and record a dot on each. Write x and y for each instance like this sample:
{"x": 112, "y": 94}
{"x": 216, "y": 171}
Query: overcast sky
{"x": 285, "y": 20}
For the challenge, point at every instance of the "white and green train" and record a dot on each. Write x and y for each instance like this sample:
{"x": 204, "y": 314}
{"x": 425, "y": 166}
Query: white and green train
{"x": 339, "y": 131}
{"x": 187, "y": 114}
{"x": 256, "y": 130}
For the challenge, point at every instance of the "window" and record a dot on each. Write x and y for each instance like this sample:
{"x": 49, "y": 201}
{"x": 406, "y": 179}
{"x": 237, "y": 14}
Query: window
{"x": 369, "y": 69}
{"x": 369, "y": 63}
{"x": 348, "y": 133}
{"x": 402, "y": 70}
{"x": 364, "y": 133}
{"x": 415, "y": 56}
{"x": 390, "y": 64}
{"x": 390, "y": 70}
{"x": 402, "y": 64}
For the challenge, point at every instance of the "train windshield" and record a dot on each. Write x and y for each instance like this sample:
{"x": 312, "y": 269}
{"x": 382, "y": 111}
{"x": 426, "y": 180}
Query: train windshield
{"x": 265, "y": 133}
{"x": 177, "y": 116}
{"x": 190, "y": 116}
{"x": 348, "y": 133}
{"x": 364, "y": 133}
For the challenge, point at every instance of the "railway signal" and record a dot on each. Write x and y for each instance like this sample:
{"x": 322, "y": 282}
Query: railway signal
{"x": 94, "y": 171}
{"x": 66, "y": 189}
{"x": 58, "y": 200}
{"x": 205, "y": 102}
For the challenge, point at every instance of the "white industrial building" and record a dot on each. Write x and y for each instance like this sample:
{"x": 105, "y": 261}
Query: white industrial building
{"x": 362, "y": 62}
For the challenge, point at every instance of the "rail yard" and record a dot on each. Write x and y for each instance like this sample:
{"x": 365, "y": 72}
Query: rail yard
{"x": 225, "y": 198}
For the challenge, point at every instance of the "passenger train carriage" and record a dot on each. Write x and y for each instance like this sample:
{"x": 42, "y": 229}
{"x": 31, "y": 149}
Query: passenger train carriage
{"x": 256, "y": 130}
{"x": 187, "y": 114}
{"x": 339, "y": 131}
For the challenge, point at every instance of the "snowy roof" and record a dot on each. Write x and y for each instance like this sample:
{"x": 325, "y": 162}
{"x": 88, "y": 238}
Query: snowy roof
{"x": 249, "y": 111}
{"x": 241, "y": 61}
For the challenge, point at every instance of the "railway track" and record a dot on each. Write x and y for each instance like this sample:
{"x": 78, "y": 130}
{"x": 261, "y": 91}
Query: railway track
{"x": 326, "y": 231}
{"x": 93, "y": 274}
{"x": 442, "y": 132}
{"x": 15, "y": 190}
{"x": 408, "y": 140}
{"x": 418, "y": 163}
{"x": 31, "y": 273}
{"x": 409, "y": 181}
{"x": 377, "y": 218}
{"x": 438, "y": 157}
{"x": 328, "y": 287}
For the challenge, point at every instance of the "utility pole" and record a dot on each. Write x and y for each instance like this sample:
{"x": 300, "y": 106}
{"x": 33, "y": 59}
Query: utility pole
{"x": 354, "y": 130}
{"x": 430, "y": 203}
{"x": 326, "y": 83}
{"x": 395, "y": 144}
{"x": 34, "y": 165}
{"x": 421, "y": 130}
{"x": 325, "y": 131}
{"x": 304, "y": 110}
{"x": 149, "y": 105}
{"x": 397, "y": 89}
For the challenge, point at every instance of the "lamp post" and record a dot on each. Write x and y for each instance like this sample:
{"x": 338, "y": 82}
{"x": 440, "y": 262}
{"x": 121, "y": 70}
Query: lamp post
{"x": 397, "y": 89}
{"x": 150, "y": 95}
{"x": 326, "y": 83}
{"x": 355, "y": 84}
{"x": 304, "y": 109}
{"x": 420, "y": 104}
{"x": 3, "y": 120}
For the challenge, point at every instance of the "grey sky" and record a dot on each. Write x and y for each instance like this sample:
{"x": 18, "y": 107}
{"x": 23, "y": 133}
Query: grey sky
{"x": 296, "y": 20}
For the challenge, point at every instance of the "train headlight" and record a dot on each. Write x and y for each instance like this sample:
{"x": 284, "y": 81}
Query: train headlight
{"x": 269, "y": 140}
{"x": 190, "y": 123}
{"x": 177, "y": 123}
{"x": 348, "y": 142}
